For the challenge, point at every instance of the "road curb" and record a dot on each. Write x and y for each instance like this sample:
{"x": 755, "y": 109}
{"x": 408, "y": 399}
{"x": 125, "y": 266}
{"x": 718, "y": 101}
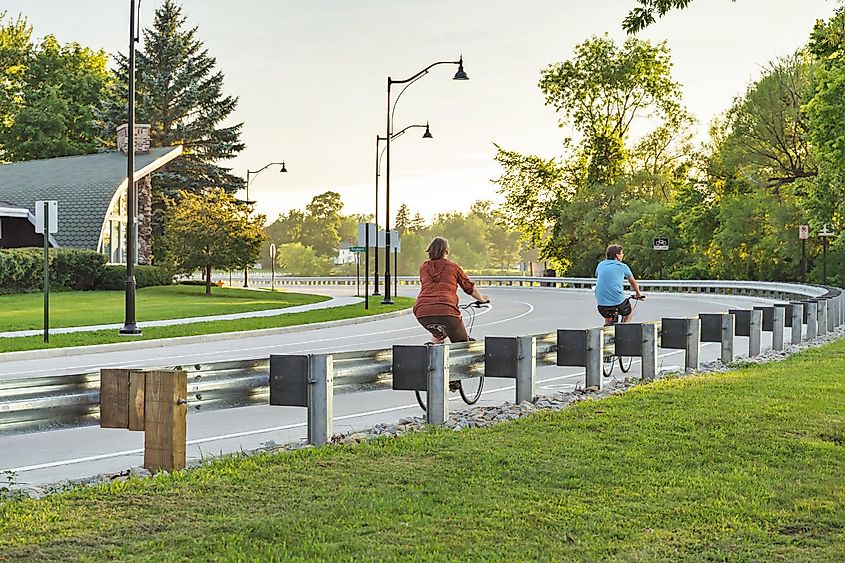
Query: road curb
{"x": 197, "y": 339}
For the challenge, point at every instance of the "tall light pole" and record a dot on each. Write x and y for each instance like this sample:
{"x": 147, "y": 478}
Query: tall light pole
{"x": 130, "y": 327}
{"x": 391, "y": 107}
{"x": 379, "y": 139}
{"x": 253, "y": 173}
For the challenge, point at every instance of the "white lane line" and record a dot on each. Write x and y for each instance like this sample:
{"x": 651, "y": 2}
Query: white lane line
{"x": 277, "y": 428}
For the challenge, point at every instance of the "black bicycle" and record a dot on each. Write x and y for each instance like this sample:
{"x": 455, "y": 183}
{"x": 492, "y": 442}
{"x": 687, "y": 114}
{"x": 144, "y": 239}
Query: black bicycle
{"x": 469, "y": 388}
{"x": 609, "y": 361}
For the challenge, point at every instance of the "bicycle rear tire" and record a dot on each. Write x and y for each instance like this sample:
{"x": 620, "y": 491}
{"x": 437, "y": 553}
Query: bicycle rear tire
{"x": 477, "y": 395}
{"x": 625, "y": 363}
{"x": 420, "y": 399}
{"x": 607, "y": 365}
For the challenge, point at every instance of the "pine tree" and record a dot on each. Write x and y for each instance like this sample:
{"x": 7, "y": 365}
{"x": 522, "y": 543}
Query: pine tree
{"x": 180, "y": 94}
{"x": 403, "y": 219}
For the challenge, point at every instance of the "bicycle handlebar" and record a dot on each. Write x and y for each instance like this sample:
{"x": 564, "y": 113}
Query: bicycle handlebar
{"x": 475, "y": 304}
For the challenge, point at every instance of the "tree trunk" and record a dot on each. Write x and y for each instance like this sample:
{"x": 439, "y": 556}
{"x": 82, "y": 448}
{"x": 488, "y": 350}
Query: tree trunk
{"x": 208, "y": 280}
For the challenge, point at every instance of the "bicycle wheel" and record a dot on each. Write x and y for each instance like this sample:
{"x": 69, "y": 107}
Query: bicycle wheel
{"x": 470, "y": 389}
{"x": 420, "y": 399}
{"x": 625, "y": 363}
{"x": 608, "y": 363}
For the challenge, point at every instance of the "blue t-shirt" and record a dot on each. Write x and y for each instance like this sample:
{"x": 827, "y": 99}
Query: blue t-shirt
{"x": 609, "y": 277}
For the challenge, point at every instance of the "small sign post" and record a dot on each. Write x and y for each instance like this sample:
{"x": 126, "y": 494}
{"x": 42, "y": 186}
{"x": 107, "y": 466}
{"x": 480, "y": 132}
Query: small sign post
{"x": 825, "y": 234}
{"x": 803, "y": 233}
{"x": 367, "y": 233}
{"x": 661, "y": 243}
{"x": 272, "y": 266}
{"x": 46, "y": 223}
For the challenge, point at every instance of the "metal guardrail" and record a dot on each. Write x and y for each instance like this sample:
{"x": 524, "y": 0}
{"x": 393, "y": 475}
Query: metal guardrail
{"x": 53, "y": 401}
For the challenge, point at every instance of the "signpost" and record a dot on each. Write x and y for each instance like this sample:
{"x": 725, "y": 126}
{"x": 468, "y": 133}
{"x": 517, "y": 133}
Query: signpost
{"x": 46, "y": 223}
{"x": 825, "y": 234}
{"x": 366, "y": 235}
{"x": 357, "y": 250}
{"x": 272, "y": 266}
{"x": 803, "y": 233}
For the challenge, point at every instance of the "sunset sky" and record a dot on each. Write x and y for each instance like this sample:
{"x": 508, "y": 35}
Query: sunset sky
{"x": 311, "y": 78}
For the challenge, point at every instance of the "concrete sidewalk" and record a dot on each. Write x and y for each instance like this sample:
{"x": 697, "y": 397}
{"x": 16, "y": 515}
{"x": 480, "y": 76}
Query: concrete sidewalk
{"x": 332, "y": 302}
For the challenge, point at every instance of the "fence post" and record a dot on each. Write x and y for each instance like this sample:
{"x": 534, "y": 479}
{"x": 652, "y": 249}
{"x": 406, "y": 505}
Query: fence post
{"x": 822, "y": 318}
{"x": 812, "y": 320}
{"x": 320, "y": 398}
{"x": 797, "y": 322}
{"x": 756, "y": 333}
{"x": 692, "y": 349}
{"x": 649, "y": 352}
{"x": 526, "y": 367}
{"x": 728, "y": 322}
{"x": 595, "y": 349}
{"x": 437, "y": 404}
{"x": 165, "y": 409}
{"x": 778, "y": 322}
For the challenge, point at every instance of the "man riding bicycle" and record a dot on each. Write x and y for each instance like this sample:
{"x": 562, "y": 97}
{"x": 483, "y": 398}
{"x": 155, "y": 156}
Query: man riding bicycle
{"x": 610, "y": 296}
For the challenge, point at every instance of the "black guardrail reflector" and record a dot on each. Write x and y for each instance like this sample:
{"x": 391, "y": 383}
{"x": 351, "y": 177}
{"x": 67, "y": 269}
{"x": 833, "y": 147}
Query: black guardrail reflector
{"x": 289, "y": 380}
{"x": 410, "y": 368}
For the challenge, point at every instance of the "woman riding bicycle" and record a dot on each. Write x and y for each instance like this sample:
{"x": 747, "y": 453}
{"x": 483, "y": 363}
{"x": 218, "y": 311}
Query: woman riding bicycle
{"x": 436, "y": 308}
{"x": 610, "y": 296}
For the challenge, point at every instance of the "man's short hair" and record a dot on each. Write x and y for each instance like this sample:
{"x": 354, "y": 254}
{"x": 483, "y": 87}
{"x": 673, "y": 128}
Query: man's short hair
{"x": 613, "y": 251}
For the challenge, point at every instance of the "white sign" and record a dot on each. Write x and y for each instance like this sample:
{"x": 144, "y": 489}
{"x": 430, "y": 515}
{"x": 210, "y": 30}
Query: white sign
{"x": 803, "y": 231}
{"x": 142, "y": 139}
{"x": 661, "y": 243}
{"x": 362, "y": 234}
{"x": 825, "y": 232}
{"x": 53, "y": 209}
{"x": 272, "y": 250}
{"x": 395, "y": 244}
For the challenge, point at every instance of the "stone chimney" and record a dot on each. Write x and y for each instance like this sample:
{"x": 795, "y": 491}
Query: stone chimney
{"x": 142, "y": 139}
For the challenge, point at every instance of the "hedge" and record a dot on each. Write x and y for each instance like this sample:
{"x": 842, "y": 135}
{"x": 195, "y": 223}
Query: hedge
{"x": 22, "y": 271}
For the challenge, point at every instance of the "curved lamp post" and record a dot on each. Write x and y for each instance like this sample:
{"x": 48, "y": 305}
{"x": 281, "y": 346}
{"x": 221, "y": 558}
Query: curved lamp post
{"x": 253, "y": 173}
{"x": 130, "y": 327}
{"x": 391, "y": 107}
{"x": 379, "y": 139}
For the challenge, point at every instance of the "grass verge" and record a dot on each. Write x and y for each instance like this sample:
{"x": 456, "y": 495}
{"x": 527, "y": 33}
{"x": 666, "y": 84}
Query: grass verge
{"x": 209, "y": 327}
{"x": 85, "y": 308}
{"x": 743, "y": 465}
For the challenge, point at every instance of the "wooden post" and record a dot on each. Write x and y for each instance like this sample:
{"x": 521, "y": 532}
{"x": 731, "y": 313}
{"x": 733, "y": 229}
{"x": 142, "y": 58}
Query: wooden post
{"x": 165, "y": 410}
{"x": 136, "y": 399}
{"x": 114, "y": 398}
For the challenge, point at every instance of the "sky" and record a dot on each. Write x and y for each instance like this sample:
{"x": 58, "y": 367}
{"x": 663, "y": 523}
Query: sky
{"x": 311, "y": 80}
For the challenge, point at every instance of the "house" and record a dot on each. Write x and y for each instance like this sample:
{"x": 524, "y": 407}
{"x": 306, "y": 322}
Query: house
{"x": 91, "y": 195}
{"x": 344, "y": 255}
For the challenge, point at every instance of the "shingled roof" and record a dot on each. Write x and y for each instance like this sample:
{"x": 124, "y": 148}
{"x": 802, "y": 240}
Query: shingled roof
{"x": 83, "y": 185}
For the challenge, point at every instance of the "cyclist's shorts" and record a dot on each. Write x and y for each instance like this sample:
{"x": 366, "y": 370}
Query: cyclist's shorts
{"x": 443, "y": 326}
{"x": 610, "y": 311}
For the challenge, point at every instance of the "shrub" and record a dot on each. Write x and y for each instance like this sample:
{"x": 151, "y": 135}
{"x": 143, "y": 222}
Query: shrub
{"x": 21, "y": 270}
{"x": 77, "y": 270}
{"x": 114, "y": 277}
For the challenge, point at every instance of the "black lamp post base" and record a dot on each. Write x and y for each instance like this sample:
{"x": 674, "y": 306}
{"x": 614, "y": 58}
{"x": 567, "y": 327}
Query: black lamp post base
{"x": 387, "y": 302}
{"x": 130, "y": 330}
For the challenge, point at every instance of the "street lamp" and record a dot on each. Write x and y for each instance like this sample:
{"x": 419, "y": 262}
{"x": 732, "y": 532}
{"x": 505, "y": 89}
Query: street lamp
{"x": 391, "y": 108}
{"x": 379, "y": 139}
{"x": 130, "y": 327}
{"x": 253, "y": 173}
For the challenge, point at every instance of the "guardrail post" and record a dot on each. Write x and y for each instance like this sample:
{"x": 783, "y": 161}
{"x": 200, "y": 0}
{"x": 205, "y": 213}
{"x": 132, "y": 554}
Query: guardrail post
{"x": 824, "y": 307}
{"x": 595, "y": 348}
{"x": 797, "y": 322}
{"x": 649, "y": 351}
{"x": 756, "y": 332}
{"x": 437, "y": 403}
{"x": 305, "y": 380}
{"x": 692, "y": 348}
{"x": 727, "y": 333}
{"x": 812, "y": 320}
{"x": 165, "y": 428}
{"x": 778, "y": 323}
{"x": 320, "y": 398}
{"x": 526, "y": 368}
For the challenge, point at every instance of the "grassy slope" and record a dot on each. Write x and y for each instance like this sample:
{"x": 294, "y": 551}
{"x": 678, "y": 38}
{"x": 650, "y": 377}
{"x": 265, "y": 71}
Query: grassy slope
{"x": 85, "y": 308}
{"x": 209, "y": 327}
{"x": 746, "y": 465}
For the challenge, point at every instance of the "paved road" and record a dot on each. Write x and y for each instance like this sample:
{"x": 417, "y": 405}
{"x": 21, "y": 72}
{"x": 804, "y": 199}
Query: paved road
{"x": 48, "y": 457}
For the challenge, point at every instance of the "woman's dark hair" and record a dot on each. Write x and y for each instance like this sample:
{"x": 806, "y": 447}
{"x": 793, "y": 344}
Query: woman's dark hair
{"x": 613, "y": 251}
{"x": 437, "y": 248}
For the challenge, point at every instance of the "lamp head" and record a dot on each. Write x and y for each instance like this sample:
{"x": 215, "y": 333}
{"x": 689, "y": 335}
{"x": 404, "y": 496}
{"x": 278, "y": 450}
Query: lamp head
{"x": 283, "y": 167}
{"x": 461, "y": 75}
{"x": 427, "y": 134}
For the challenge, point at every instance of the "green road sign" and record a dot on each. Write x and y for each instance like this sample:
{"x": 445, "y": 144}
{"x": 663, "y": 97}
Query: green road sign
{"x": 357, "y": 249}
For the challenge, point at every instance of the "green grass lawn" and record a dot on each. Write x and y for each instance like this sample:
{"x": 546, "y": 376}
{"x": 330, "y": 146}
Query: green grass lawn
{"x": 85, "y": 308}
{"x": 209, "y": 327}
{"x": 743, "y": 466}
